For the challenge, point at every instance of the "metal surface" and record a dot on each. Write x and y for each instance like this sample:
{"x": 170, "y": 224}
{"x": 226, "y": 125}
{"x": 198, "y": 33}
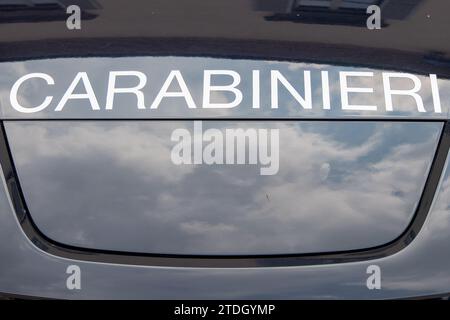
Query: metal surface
{"x": 415, "y": 39}
{"x": 235, "y": 34}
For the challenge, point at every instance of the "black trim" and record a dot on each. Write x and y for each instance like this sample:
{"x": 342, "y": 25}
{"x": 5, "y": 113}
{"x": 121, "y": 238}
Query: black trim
{"x": 12, "y": 296}
{"x": 20, "y": 297}
{"x": 228, "y": 261}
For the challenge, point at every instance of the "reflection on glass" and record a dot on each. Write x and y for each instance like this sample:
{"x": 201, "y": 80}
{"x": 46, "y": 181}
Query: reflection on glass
{"x": 113, "y": 185}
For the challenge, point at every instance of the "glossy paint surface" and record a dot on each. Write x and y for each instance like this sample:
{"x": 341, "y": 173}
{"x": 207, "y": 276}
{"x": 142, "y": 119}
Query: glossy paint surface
{"x": 241, "y": 34}
{"x": 413, "y": 36}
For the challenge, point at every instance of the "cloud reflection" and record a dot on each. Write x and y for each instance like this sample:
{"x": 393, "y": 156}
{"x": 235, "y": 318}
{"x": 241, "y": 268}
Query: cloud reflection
{"x": 112, "y": 185}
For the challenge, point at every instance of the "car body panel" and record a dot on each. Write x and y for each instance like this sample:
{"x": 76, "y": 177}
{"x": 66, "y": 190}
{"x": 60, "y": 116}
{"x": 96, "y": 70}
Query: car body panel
{"x": 156, "y": 37}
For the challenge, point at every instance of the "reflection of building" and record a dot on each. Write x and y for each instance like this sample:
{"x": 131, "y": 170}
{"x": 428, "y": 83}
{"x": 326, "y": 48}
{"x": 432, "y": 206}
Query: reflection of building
{"x": 43, "y": 10}
{"x": 337, "y": 12}
{"x": 237, "y": 28}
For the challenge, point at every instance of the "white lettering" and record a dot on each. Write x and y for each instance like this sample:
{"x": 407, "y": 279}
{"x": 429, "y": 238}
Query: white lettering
{"x": 15, "y": 88}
